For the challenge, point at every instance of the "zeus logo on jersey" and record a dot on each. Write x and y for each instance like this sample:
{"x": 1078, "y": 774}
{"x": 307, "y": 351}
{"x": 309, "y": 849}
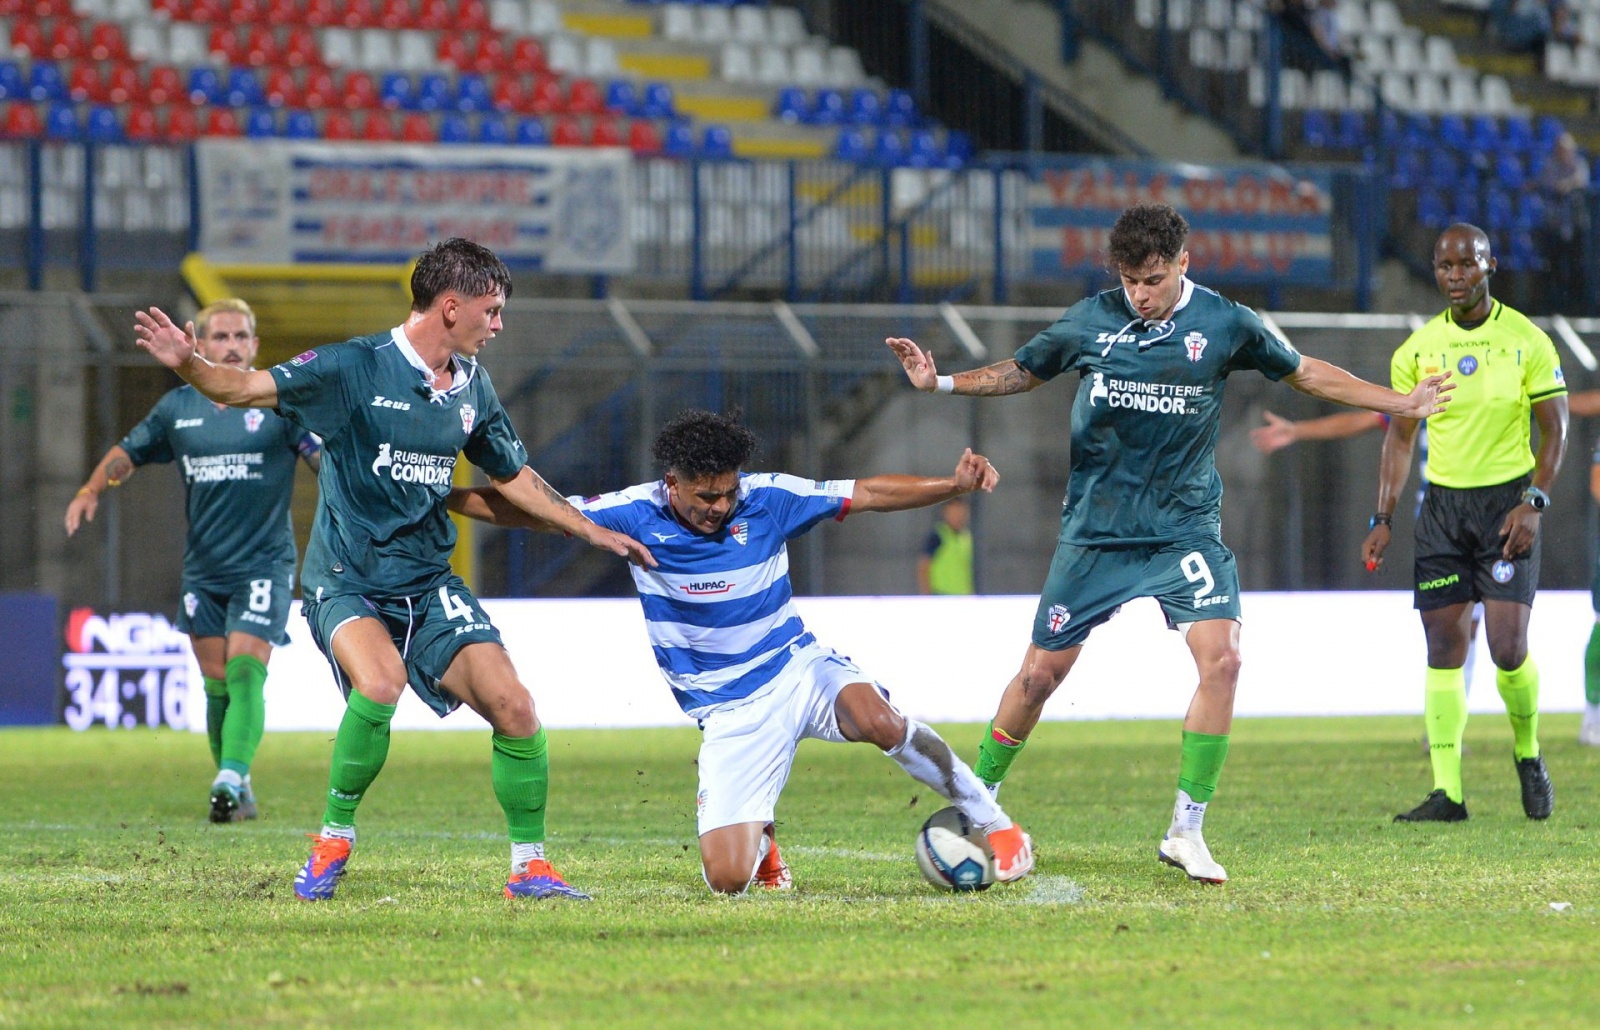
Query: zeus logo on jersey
{"x": 1115, "y": 338}
{"x": 220, "y": 468}
{"x": 188, "y": 423}
{"x": 1164, "y": 398}
{"x": 413, "y": 466}
{"x": 713, "y": 586}
{"x": 380, "y": 401}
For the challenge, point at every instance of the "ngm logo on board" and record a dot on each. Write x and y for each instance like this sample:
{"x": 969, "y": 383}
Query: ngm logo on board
{"x": 124, "y": 670}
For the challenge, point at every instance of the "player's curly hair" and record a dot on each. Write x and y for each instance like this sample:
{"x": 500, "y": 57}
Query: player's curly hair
{"x": 698, "y": 443}
{"x": 459, "y": 266}
{"x": 1146, "y": 231}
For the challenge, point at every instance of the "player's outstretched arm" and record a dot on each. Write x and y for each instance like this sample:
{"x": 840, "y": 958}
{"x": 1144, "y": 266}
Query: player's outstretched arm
{"x": 538, "y": 499}
{"x": 1394, "y": 467}
{"x": 1332, "y": 383}
{"x": 997, "y": 380}
{"x": 1280, "y": 432}
{"x": 487, "y": 504}
{"x": 177, "y": 349}
{"x": 901, "y": 493}
{"x": 113, "y": 470}
{"x": 1584, "y": 403}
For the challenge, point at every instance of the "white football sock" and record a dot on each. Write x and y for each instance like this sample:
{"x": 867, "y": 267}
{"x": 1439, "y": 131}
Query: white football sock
{"x": 1187, "y": 815}
{"x": 335, "y": 830}
{"x": 522, "y": 854}
{"x": 928, "y": 759}
{"x": 229, "y": 777}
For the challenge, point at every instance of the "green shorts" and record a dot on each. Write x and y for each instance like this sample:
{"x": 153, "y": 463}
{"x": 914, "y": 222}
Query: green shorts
{"x": 427, "y": 630}
{"x": 1194, "y": 580}
{"x": 256, "y": 603}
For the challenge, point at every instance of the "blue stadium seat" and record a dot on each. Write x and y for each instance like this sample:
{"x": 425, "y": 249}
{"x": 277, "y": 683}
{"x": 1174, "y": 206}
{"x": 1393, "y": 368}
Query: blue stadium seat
{"x": 1452, "y": 132}
{"x": 1316, "y": 128}
{"x": 244, "y": 89}
{"x": 11, "y": 84}
{"x": 453, "y": 129}
{"x": 102, "y": 125}
{"x": 1523, "y": 255}
{"x": 433, "y": 94}
{"x": 958, "y": 148}
{"x": 394, "y": 91}
{"x": 1442, "y": 171}
{"x": 621, "y": 97}
{"x": 1464, "y": 204}
{"x": 716, "y": 142}
{"x": 492, "y": 129}
{"x": 1530, "y": 211}
{"x": 1484, "y": 135}
{"x": 1391, "y": 128}
{"x": 865, "y": 107}
{"x": 923, "y": 150}
{"x": 1407, "y": 171}
{"x": 45, "y": 83}
{"x": 472, "y": 94}
{"x": 827, "y": 108}
{"x": 899, "y": 109}
{"x": 790, "y": 106}
{"x": 205, "y": 86}
{"x": 1509, "y": 171}
{"x": 1499, "y": 210}
{"x": 1417, "y": 131}
{"x": 1351, "y": 133}
{"x": 300, "y": 125}
{"x": 61, "y": 123}
{"x": 658, "y": 102}
{"x": 1431, "y": 210}
{"x": 531, "y": 133}
{"x": 259, "y": 124}
{"x": 1549, "y": 130}
{"x": 678, "y": 140}
{"x": 851, "y": 146}
{"x": 889, "y": 150}
{"x": 1518, "y": 134}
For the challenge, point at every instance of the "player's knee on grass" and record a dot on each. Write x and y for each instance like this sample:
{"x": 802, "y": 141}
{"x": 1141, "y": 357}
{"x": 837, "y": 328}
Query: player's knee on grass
{"x": 728, "y": 870}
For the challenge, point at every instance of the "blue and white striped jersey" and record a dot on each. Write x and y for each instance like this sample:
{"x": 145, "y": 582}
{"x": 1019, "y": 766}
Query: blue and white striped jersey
{"x": 719, "y": 608}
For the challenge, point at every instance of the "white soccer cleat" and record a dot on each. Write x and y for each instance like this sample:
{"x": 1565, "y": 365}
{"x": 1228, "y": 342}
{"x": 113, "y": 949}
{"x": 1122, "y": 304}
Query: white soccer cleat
{"x": 1589, "y": 732}
{"x": 1189, "y": 853}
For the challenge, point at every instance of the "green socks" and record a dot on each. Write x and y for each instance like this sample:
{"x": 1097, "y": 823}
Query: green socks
{"x": 1519, "y": 689}
{"x": 1444, "y": 710}
{"x": 246, "y": 713}
{"x": 995, "y": 755}
{"x": 520, "y": 768}
{"x": 1201, "y": 765}
{"x": 359, "y": 751}
{"x": 216, "y": 712}
{"x": 1591, "y": 667}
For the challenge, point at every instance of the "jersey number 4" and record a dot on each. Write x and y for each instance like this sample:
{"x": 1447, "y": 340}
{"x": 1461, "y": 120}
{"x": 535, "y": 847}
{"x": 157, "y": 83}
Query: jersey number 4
{"x": 454, "y": 607}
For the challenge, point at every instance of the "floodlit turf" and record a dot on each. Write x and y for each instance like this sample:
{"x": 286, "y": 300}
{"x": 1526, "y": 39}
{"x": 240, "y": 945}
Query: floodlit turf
{"x": 120, "y": 903}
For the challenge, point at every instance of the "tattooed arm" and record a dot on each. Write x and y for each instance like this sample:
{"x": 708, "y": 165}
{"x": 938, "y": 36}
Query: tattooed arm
{"x": 113, "y": 470}
{"x": 544, "y": 504}
{"x": 997, "y": 380}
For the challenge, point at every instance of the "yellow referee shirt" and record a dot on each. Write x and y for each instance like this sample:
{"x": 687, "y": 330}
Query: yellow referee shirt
{"x": 1500, "y": 370}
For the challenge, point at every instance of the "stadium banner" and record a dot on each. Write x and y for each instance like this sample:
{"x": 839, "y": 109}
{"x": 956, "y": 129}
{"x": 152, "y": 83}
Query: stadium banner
{"x": 539, "y": 208}
{"x": 1254, "y": 224}
{"x": 942, "y": 659}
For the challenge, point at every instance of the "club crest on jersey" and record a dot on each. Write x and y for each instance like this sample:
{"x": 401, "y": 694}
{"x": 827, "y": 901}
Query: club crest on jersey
{"x": 1195, "y": 345}
{"x": 1058, "y": 617}
{"x": 468, "y": 415}
{"x": 740, "y": 531}
{"x": 1467, "y": 365}
{"x": 303, "y": 358}
{"x": 1561, "y": 377}
{"x": 253, "y": 419}
{"x": 191, "y": 604}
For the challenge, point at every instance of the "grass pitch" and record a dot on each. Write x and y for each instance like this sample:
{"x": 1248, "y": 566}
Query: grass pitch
{"x": 119, "y": 904}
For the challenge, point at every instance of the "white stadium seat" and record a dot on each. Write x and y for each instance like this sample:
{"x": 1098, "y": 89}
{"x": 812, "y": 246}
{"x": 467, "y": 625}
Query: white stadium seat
{"x": 378, "y": 48}
{"x": 1496, "y": 96}
{"x": 844, "y": 66}
{"x": 564, "y": 54}
{"x": 810, "y": 66}
{"x": 750, "y": 24}
{"x": 772, "y": 66}
{"x": 1558, "y": 61}
{"x": 417, "y": 52}
{"x": 788, "y": 27}
{"x": 339, "y": 48}
{"x": 600, "y": 60}
{"x": 187, "y": 44}
{"x": 509, "y": 16}
{"x": 147, "y": 41}
{"x": 738, "y": 63}
{"x": 678, "y": 23}
{"x": 544, "y": 18}
{"x": 716, "y": 25}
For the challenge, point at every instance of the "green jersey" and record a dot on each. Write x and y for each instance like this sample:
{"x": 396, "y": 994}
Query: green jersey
{"x": 238, "y": 477}
{"x": 1144, "y": 423}
{"x": 1500, "y": 369}
{"x": 390, "y": 443}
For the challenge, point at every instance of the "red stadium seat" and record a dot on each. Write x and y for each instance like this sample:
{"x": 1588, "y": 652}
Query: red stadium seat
{"x": 321, "y": 90}
{"x": 417, "y": 128}
{"x": 284, "y": 13}
{"x": 603, "y": 132}
{"x": 27, "y": 37}
{"x": 435, "y": 14}
{"x": 245, "y": 12}
{"x": 281, "y": 90}
{"x": 123, "y": 85}
{"x": 166, "y": 85}
{"x": 453, "y": 50}
{"x": 209, "y": 12}
{"x": 473, "y": 14}
{"x": 106, "y": 43}
{"x": 359, "y": 92}
{"x": 262, "y": 49}
{"x": 379, "y": 128}
{"x": 359, "y": 14}
{"x": 67, "y": 42}
{"x": 181, "y": 124}
{"x": 643, "y": 138}
{"x": 585, "y": 98}
{"x": 397, "y": 14}
{"x": 22, "y": 122}
{"x": 567, "y": 133}
{"x": 489, "y": 54}
{"x": 547, "y": 97}
{"x": 220, "y": 122}
{"x": 301, "y": 48}
{"x": 141, "y": 123}
{"x": 85, "y": 85}
{"x": 507, "y": 94}
{"x": 51, "y": 9}
{"x": 527, "y": 56}
{"x": 338, "y": 125}
{"x": 227, "y": 44}
{"x": 169, "y": 10}
{"x": 321, "y": 12}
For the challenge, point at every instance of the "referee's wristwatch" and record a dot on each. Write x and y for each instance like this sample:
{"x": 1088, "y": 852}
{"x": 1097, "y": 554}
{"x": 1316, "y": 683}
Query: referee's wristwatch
{"x": 1536, "y": 498}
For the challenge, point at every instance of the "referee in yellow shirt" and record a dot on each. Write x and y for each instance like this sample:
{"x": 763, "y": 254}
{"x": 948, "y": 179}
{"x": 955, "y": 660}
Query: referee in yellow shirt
{"x": 1478, "y": 530}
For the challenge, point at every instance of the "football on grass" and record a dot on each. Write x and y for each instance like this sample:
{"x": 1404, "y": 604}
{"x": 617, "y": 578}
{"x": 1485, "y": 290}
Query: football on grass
{"x": 952, "y": 853}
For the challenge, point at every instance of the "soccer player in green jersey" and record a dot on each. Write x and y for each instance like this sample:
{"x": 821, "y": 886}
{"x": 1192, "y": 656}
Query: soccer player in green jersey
{"x": 1143, "y": 507}
{"x": 1583, "y": 403}
{"x": 1477, "y": 534}
{"x": 238, "y": 560}
{"x": 394, "y": 410}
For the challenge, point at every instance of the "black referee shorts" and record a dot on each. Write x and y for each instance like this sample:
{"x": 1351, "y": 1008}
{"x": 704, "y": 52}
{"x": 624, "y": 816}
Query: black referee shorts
{"x": 1459, "y": 548}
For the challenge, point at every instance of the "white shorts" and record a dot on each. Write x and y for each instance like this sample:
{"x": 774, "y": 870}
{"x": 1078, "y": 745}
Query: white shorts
{"x": 749, "y": 747}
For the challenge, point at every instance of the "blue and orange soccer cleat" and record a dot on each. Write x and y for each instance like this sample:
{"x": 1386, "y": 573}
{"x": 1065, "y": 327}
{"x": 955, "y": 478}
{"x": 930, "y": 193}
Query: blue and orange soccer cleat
{"x": 319, "y": 877}
{"x": 540, "y": 880}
